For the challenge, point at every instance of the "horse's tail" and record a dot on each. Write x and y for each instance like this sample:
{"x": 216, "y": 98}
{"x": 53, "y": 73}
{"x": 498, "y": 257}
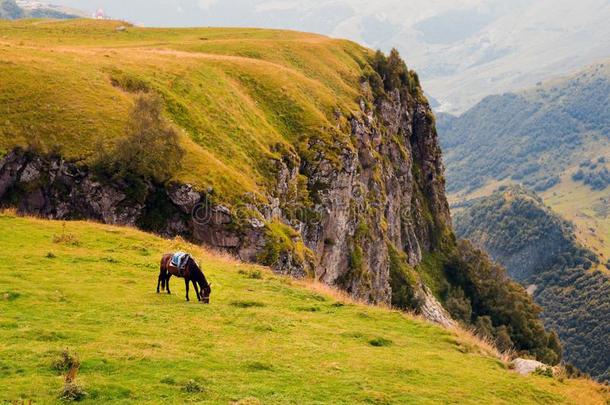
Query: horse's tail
{"x": 163, "y": 273}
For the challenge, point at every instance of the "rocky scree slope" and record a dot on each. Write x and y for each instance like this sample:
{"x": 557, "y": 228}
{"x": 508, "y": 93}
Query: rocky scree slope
{"x": 539, "y": 249}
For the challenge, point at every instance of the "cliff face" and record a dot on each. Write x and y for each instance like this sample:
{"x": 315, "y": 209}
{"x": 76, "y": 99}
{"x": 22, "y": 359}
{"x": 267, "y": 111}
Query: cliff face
{"x": 338, "y": 207}
{"x": 389, "y": 191}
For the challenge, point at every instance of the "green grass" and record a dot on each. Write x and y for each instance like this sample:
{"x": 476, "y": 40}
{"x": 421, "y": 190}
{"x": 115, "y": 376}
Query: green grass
{"x": 239, "y": 95}
{"x": 91, "y": 288}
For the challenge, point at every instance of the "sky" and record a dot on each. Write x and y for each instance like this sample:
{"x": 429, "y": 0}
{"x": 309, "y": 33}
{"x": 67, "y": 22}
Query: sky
{"x": 462, "y": 49}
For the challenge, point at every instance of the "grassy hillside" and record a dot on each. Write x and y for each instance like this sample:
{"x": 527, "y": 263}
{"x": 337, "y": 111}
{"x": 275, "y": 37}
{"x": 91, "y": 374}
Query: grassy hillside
{"x": 240, "y": 96}
{"x": 264, "y": 338}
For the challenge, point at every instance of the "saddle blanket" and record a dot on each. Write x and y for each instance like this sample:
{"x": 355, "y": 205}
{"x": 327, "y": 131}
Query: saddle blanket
{"x": 178, "y": 258}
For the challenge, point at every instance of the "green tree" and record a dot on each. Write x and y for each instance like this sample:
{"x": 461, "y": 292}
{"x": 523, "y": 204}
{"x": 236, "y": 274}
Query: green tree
{"x": 151, "y": 147}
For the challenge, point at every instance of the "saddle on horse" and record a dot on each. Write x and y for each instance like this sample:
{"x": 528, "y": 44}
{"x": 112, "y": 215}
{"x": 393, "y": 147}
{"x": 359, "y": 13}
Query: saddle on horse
{"x": 179, "y": 260}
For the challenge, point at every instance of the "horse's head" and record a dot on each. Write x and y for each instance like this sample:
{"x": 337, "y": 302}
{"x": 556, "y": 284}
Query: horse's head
{"x": 206, "y": 289}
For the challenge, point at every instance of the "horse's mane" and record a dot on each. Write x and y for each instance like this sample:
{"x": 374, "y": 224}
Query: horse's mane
{"x": 198, "y": 271}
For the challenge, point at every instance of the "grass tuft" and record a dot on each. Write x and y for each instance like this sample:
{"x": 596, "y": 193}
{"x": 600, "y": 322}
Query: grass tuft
{"x": 10, "y": 295}
{"x": 380, "y": 342}
{"x": 192, "y": 387}
{"x": 168, "y": 381}
{"x": 253, "y": 274}
{"x": 247, "y": 304}
{"x": 259, "y": 366}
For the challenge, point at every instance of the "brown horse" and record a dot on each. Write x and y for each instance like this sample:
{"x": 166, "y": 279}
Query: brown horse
{"x": 190, "y": 271}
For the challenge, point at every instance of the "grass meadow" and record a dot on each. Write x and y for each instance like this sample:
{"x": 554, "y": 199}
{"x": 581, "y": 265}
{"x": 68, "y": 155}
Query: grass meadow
{"x": 264, "y": 338}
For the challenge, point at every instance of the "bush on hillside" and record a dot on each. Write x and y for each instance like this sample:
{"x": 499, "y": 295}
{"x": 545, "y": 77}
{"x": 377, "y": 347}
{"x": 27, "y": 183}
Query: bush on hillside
{"x": 151, "y": 147}
{"x": 594, "y": 174}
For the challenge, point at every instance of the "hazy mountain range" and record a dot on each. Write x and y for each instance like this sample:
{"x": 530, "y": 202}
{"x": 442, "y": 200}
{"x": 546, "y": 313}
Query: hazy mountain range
{"x": 464, "y": 50}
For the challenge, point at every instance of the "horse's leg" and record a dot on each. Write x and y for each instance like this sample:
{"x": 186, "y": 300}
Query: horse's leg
{"x": 196, "y": 290}
{"x": 160, "y": 276}
{"x": 167, "y": 282}
{"x": 186, "y": 284}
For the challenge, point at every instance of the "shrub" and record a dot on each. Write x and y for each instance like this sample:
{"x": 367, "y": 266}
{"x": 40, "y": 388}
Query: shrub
{"x": 380, "y": 342}
{"x": 458, "y": 305}
{"x": 192, "y": 387}
{"x": 247, "y": 304}
{"x": 65, "y": 362}
{"x": 403, "y": 281}
{"x": 72, "y": 391}
{"x": 544, "y": 371}
{"x": 151, "y": 147}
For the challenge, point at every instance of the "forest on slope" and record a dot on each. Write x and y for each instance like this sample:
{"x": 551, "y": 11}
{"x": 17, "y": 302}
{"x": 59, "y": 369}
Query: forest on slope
{"x": 539, "y": 249}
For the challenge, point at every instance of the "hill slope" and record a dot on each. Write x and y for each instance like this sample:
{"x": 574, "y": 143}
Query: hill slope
{"x": 264, "y": 338}
{"x": 539, "y": 250}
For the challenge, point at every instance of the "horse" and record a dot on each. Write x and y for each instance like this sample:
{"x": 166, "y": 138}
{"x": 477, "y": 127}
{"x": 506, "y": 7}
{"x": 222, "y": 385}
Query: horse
{"x": 190, "y": 271}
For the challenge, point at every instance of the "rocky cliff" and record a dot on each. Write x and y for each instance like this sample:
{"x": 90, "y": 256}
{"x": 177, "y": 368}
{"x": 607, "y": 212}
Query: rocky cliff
{"x": 336, "y": 210}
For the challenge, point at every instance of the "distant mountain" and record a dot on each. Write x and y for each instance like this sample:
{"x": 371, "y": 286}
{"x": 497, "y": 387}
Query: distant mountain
{"x": 13, "y": 10}
{"x": 530, "y": 137}
{"x": 539, "y": 250}
{"x": 553, "y": 138}
{"x": 9, "y": 10}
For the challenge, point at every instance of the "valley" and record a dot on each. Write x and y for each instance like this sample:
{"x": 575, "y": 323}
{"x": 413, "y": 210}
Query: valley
{"x": 540, "y": 250}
